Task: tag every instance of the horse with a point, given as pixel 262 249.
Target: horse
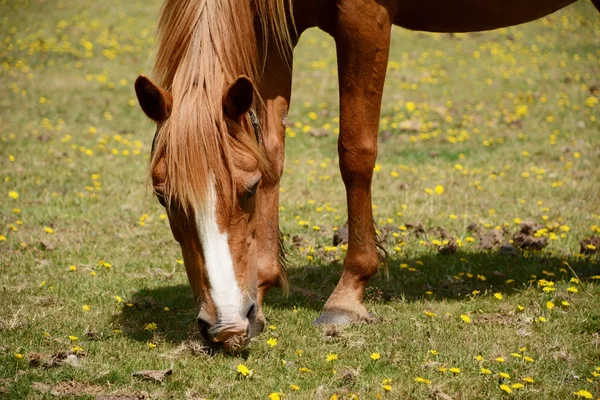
pixel 223 76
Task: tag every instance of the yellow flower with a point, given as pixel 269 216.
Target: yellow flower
pixel 294 387
pixel 528 359
pixel 243 370
pixel 375 356
pixel 485 371
pixel 151 345
pixel 13 195
pixel 49 230
pixel 500 359
pixel 528 379
pixel 304 369
pixel 518 386
pixel 151 326
pixel 498 296
pixel 272 342
pixel 583 394
pixel 72 268
pixel 18 356
pixel 422 380
pixel 331 357
pixel 439 190
pixel 275 396
pixel 454 370
pixel 73 338
pixel 85 308
pixel 549 305
pixel 506 388
pixel 504 375
pixel 572 289
pixel 465 318
pixel 430 314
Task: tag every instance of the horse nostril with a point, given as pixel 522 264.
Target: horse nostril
pixel 251 313
pixel 203 327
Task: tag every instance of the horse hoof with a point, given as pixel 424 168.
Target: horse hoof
pixel 339 317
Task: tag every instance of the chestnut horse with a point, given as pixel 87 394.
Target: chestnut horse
pixel 224 77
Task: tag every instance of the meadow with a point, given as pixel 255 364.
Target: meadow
pixel 486 195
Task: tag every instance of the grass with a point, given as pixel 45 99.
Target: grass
pixel 506 122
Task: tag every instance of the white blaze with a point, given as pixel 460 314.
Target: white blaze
pixel 225 292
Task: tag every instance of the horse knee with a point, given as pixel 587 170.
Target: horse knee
pixel 357 160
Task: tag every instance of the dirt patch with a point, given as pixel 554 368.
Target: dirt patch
pixel 525 239
pixel 153 375
pixel 340 235
pixel 590 245
pixel 491 239
pixel 449 248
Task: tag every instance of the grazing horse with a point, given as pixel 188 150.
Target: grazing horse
pixel 223 84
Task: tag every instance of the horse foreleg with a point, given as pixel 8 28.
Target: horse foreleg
pixel 275 90
pixel 362 36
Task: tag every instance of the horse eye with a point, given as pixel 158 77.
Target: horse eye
pixel 252 190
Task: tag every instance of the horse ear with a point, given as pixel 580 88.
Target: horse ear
pixel 238 97
pixel 155 101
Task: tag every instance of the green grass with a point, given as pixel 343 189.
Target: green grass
pixel 80 146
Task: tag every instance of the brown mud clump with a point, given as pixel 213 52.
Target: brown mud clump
pixel 590 245
pixel 525 239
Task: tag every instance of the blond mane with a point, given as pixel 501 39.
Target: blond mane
pixel 203 46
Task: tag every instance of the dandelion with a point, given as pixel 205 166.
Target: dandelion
pixel 275 396
pixel 13 195
pixel 454 370
pixel 430 314
pixel 506 388
pixel 243 370
pixel 549 305
pixel 18 356
pixel 85 308
pixel 500 359
pixel 331 357
pixel 375 356
pixel 294 387
pixel 72 268
pixel 151 345
pixel 466 318
pixel 151 326
pixel 49 230
pixel 73 338
pixel 528 379
pixel 485 371
pixel 422 380
pixel 528 359
pixel 272 342
pixel 498 296
pixel 517 386
pixel 504 375
pixel 118 299
pixel 304 369
pixel 439 190
pixel 583 394
pixel 572 289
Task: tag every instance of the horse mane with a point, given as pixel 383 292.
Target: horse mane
pixel 203 46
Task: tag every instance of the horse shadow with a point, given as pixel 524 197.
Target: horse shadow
pixel 431 277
